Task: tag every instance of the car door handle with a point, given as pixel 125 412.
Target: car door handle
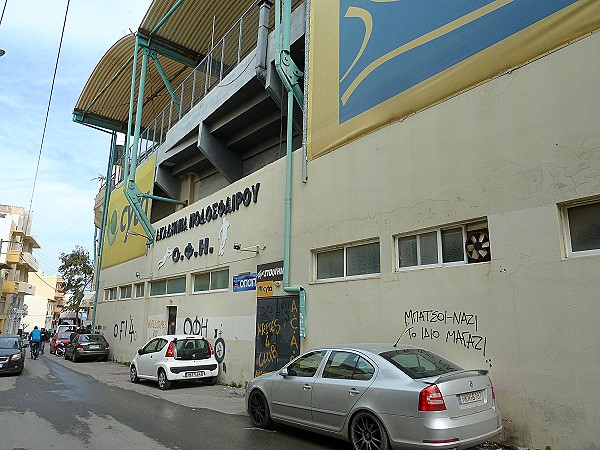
pixel 307 387
pixel 353 391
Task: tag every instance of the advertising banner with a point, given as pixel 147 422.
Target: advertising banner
pixel 373 62
pixel 119 246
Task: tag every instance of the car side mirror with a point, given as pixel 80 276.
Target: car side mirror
pixel 140 351
pixel 283 372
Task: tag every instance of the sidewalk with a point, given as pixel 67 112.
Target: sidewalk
pixel 224 399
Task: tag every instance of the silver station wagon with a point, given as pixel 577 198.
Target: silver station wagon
pixel 379 396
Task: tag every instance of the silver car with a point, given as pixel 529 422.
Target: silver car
pixel 379 396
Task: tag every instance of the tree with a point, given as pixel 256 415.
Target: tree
pixel 77 271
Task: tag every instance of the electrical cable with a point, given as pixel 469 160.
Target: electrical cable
pixel 3 9
pixel 37 168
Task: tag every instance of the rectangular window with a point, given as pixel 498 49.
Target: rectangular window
pixel 582 228
pixel 349 261
pixel 168 286
pixel 468 243
pixel 139 290
pixel 125 292
pixel 211 281
pixel 110 294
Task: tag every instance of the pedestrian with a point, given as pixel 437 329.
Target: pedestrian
pixel 44 337
pixel 88 329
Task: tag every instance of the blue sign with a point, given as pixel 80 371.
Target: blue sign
pixel 246 282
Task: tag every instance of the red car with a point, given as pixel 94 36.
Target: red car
pixel 62 337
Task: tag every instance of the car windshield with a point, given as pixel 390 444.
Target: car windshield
pixel 419 363
pixel 9 342
pixel 91 338
pixel 192 348
pixel 63 336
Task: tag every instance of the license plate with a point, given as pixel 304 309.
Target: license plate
pixel 471 397
pixel 94 347
pixel 199 373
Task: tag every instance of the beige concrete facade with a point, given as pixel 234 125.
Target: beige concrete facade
pixel 511 153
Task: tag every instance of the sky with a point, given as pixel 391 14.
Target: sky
pixel 72 156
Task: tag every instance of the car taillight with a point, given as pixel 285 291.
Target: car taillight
pixel 107 347
pixel 430 399
pixel 212 352
pixel 170 350
pixel 80 347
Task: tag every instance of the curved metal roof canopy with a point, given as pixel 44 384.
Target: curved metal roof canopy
pixel 181 43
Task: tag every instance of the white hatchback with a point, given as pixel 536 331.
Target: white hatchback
pixel 174 358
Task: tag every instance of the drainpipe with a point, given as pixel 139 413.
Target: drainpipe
pixel 107 190
pixel 289 75
pixel 262 41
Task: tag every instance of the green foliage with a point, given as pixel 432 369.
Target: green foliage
pixel 77 271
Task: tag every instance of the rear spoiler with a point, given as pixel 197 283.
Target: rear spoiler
pixel 456 375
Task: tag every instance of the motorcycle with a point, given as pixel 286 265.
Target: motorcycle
pixel 60 349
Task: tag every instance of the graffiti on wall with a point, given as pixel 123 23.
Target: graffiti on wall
pixel 156 326
pixel 277 333
pixel 124 329
pixel 199 326
pixel 453 327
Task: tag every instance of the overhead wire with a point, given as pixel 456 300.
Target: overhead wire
pixel 3 9
pixel 37 168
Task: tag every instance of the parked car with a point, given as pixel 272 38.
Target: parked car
pixel 173 358
pixel 61 337
pixel 377 396
pixel 87 346
pixel 12 354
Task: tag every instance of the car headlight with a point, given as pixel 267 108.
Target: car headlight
pixel 15 357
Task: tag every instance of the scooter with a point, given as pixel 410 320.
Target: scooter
pixel 59 349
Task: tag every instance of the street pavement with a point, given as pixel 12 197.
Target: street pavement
pixel 219 398
pixel 224 399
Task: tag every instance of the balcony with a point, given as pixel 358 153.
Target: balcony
pixel 26 288
pixel 23 259
pixel 17 287
pixel 10 287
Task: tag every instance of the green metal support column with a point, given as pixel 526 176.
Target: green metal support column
pixel 163 75
pixel 289 74
pixel 107 191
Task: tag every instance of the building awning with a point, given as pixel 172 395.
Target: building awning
pixel 88 300
pixel 181 43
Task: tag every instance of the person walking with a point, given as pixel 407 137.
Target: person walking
pixel 44 337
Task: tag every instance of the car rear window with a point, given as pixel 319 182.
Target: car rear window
pixel 192 348
pixel 419 363
pixel 91 338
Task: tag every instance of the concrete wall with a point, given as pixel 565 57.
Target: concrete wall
pixel 508 151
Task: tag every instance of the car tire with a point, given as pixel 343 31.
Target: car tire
pixel 163 381
pixel 210 381
pixel 133 376
pixel 258 409
pixel 367 432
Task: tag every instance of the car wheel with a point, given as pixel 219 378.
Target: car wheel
pixel 367 432
pixel 163 381
pixel 210 381
pixel 133 376
pixel 258 409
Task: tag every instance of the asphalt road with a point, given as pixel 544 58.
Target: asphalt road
pixel 56 404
